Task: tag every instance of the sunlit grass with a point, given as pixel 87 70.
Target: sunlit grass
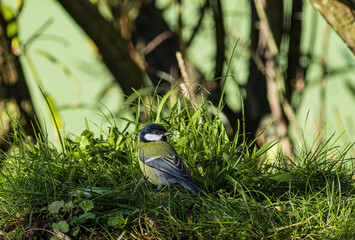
pixel 94 189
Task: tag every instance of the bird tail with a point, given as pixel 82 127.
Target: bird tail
pixel 192 187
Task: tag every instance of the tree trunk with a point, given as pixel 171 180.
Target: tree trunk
pixel 115 50
pixel 295 72
pixel 15 99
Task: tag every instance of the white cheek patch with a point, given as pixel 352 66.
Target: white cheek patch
pixel 153 137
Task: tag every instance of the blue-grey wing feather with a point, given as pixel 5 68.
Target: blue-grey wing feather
pixel 174 168
pixel 171 165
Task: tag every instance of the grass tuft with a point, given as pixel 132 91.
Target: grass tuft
pixel 93 188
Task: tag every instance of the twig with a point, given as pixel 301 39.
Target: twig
pixel 291 117
pixel 156 42
pixel 166 210
pixel 270 37
pixel 219 36
pixel 293 225
pixel 188 88
pixel 274 94
pixel 180 24
pixel 269 71
pixel 290 114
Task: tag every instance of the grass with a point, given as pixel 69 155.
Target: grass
pixel 94 188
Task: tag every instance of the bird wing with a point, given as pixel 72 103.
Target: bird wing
pixel 169 163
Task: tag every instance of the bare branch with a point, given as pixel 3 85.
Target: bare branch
pixel 114 49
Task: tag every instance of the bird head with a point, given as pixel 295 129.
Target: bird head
pixel 153 132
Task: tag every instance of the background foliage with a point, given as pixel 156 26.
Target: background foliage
pixel 299 75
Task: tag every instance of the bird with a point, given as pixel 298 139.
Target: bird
pixel 159 161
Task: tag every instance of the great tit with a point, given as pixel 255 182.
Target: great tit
pixel 158 160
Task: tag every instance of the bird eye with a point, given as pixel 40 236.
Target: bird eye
pixel 155 132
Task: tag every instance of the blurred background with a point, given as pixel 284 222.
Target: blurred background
pixel 83 58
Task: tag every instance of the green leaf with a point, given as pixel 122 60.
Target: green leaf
pixel 86 125
pixel 61 226
pixel 113 136
pixel 53 107
pixel 55 115
pixel 161 104
pixel 83 142
pixel 86 205
pixel 264 148
pixel 55 206
pixel 120 219
pixel 282 177
pixel 230 179
pixel 117 221
pixel 88 134
pixel 83 217
pixel 226 76
pixel 69 205
pixel 7 12
pixel 12 29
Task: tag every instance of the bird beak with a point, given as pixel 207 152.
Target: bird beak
pixel 168 134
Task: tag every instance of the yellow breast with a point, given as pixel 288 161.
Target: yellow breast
pixel 153 175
